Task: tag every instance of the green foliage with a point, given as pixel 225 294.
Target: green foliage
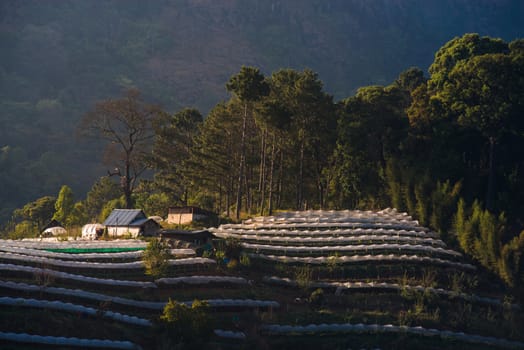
pixel 248 84
pixel 443 204
pixel 316 299
pixel 153 203
pixel 480 234
pixel 303 276
pixel 156 258
pixel 511 263
pixel 422 193
pixel 117 203
pixel 38 212
pixel 78 215
pixel 64 205
pixel 103 191
pixel 175 137
pixel 186 325
pixel 244 260
pixel 24 229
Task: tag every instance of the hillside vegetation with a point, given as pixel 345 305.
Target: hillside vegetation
pixel 313 279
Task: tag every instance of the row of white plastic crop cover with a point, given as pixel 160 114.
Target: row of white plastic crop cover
pixel 192 280
pixel 350 248
pixel 126 243
pixel 388 328
pixel 362 258
pixel 392 214
pixel 100 265
pixel 341 286
pixel 81 256
pixel 322 233
pixel 332 239
pixel 68 341
pixel 398 225
pixel 331 219
pixel 93 343
pixel 151 305
pixel 74 308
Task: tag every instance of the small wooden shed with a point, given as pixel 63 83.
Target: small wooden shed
pixel 186 215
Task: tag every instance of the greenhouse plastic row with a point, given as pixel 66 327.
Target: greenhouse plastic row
pixel 396 225
pixel 80 256
pixel 68 307
pixel 333 215
pixel 240 303
pixel 74 277
pixel 37 244
pixel 350 248
pixel 340 286
pixel 66 341
pixel 152 305
pixel 229 334
pixel 336 232
pixel 362 258
pixel 100 265
pixel 191 261
pixel 331 239
pixel 202 280
pixel 388 328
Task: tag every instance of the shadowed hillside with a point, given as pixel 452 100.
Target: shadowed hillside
pixel 59 57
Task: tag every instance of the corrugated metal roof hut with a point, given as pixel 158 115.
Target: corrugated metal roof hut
pixel 134 222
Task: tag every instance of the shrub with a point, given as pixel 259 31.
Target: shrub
pixel 316 299
pixel 185 324
pixel 156 257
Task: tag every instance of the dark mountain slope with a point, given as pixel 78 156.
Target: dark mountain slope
pixel 59 57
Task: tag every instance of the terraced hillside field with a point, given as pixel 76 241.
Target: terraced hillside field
pixel 314 279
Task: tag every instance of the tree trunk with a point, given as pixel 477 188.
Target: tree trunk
pixel 126 184
pixel 491 176
pixel 262 179
pixel 242 160
pixel 280 175
pixel 300 180
pixel 271 171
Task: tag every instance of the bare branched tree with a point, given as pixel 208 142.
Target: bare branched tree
pixel 126 125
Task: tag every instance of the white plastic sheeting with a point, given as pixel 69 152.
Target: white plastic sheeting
pixel 363 258
pixel 68 341
pixel 68 307
pixel 341 286
pixel 240 303
pixel 100 265
pixel 69 256
pixel 72 264
pixel 229 334
pixel 152 305
pixel 194 280
pixel 37 244
pixel 350 248
pixel 86 256
pixel 191 261
pixel 75 277
pixel 386 215
pixel 388 328
pixel 78 293
pixel 323 233
pixel 312 240
pixel 395 225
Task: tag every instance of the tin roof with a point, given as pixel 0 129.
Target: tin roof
pixel 126 217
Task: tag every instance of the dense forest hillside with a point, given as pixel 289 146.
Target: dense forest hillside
pixel 58 58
